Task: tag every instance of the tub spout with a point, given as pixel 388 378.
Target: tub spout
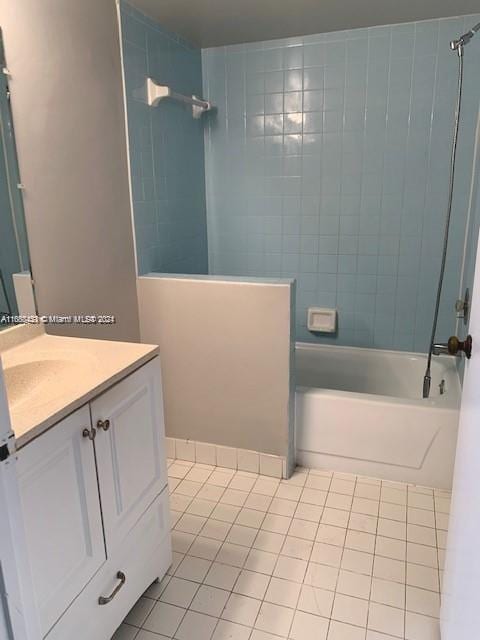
pixel 440 349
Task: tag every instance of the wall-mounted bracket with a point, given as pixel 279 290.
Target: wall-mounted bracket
pixel 158 92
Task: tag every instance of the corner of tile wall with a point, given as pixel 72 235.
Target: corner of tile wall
pixel 227 457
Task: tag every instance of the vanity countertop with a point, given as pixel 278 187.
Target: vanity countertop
pixel 48 377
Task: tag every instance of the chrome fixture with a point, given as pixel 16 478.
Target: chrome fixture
pixel 458 46
pixel 441 387
pixel 440 349
pixel 454 347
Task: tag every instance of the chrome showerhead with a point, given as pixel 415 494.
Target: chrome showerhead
pixel 457 45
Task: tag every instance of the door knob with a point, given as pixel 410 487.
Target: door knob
pixel 456 346
pixel 103 424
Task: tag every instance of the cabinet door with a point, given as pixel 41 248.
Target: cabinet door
pixel 130 452
pixel 61 506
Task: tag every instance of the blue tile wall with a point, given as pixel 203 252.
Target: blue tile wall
pixel 166 149
pixel 328 161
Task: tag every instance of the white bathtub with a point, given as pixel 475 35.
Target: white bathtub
pixel 361 411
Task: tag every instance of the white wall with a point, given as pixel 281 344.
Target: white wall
pixel 225 350
pixel 68 111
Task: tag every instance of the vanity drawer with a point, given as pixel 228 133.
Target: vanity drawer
pixel 144 555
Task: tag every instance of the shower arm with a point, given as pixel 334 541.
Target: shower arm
pixel 457 45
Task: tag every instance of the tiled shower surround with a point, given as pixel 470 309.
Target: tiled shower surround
pixel 326 160
pixel 166 150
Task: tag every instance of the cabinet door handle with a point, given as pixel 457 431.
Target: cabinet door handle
pixel 89 433
pixel 103 424
pixel 105 600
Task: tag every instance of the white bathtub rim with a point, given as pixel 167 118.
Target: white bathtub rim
pixel 416 355
pixel 437 404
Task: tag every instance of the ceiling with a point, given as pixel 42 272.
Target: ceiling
pixel 210 23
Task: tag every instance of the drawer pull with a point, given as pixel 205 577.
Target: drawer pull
pixel 89 433
pixel 105 600
pixel 103 424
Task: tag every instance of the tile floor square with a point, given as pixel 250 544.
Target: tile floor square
pixel 192 568
pixel 225 513
pixel 251 583
pixel 342 631
pixel 261 561
pixel 239 534
pixel 269 541
pixel 274 619
pixel 209 600
pixel 386 619
pixel 222 576
pixel 351 610
pixel 290 568
pixel 164 619
pixel 329 534
pixel 250 518
pixel 308 512
pixel 354 584
pixel 232 554
pixel 307 626
pixel 297 548
pixel 320 575
pixel 316 601
pixel 283 592
pixel 196 625
pixel 206 548
pixel 179 592
pixel 418 627
pixel 282 507
pixel 226 630
pixel 241 609
pixel 387 592
pixel 327 554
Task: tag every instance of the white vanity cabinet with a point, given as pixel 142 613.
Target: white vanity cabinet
pixel 93 491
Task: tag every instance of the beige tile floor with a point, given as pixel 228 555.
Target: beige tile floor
pixel 321 556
